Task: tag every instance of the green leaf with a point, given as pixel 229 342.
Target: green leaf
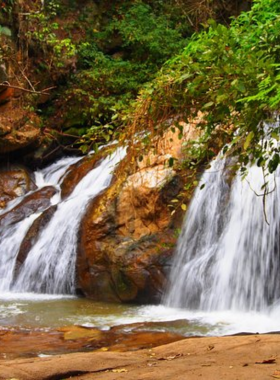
pixel 275 135
pixel 273 163
pixel 84 148
pixel 208 105
pixel 171 161
pixel 248 140
pixel 184 207
pixel 240 86
pixel 6 31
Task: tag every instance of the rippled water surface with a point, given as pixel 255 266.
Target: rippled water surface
pixel 43 311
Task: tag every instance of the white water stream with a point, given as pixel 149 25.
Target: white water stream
pixel 228 257
pixel 50 265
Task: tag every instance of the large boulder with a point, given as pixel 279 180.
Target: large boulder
pixel 125 243
pixel 128 235
pixel 17 136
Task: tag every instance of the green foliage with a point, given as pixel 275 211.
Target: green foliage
pixel 149 38
pixel 232 76
pixel 100 93
pixel 43 34
pixel 5 31
pixel 6 6
pixel 116 62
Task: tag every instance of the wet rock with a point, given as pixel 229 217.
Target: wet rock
pixel 14 182
pixel 20 343
pixel 76 172
pixel 128 235
pixel 32 236
pixel 35 202
pixel 125 251
pixel 179 324
pixel 80 169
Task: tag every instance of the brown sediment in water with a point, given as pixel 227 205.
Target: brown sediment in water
pixel 26 343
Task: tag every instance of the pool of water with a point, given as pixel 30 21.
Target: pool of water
pixel 27 310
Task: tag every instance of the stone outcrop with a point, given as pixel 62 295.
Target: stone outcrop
pixel 128 234
pixel 126 248
pixel 18 129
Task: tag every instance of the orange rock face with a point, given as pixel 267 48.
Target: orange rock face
pixel 19 129
pixel 128 234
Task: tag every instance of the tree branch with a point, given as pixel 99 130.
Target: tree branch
pixel 43 92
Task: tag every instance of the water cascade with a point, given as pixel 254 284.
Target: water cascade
pixel 50 264
pixel 228 254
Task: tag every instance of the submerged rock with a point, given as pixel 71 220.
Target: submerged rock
pixel 20 343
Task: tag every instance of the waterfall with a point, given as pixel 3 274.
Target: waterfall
pixel 228 256
pixel 12 236
pixel 50 264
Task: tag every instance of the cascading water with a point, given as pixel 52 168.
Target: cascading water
pixel 50 264
pixel 12 236
pixel 228 256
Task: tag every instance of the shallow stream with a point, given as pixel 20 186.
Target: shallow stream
pixel 27 310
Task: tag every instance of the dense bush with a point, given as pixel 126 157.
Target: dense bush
pixel 232 75
pixel 116 61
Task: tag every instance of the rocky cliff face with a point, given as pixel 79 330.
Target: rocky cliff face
pixel 128 235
